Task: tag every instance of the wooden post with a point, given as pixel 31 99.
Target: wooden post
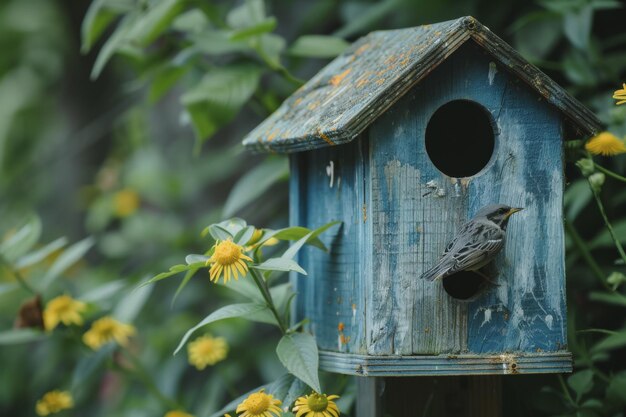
pixel 446 396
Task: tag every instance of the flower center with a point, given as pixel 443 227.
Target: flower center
pixel 258 403
pixel 317 402
pixel 227 253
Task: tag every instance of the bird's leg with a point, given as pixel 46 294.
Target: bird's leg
pixel 487 278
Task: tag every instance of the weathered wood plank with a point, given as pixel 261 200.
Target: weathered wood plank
pixel 332 293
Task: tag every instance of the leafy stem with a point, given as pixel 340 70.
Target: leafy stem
pixel 618 245
pixel 260 282
pixel 566 392
pixel 586 254
pixel 609 172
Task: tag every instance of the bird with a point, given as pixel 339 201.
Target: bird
pixel 476 244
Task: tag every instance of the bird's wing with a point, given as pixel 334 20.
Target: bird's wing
pixel 476 246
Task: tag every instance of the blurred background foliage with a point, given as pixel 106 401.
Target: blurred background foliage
pixel 120 130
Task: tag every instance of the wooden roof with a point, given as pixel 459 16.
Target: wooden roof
pixel 359 85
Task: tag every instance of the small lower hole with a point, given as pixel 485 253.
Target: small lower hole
pixel 464 285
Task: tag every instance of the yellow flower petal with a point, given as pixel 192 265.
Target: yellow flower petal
pixel 53 402
pixel 206 351
pixel 227 261
pixel 63 309
pixel 606 144
pixel 106 330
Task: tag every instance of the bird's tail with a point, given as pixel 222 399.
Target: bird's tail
pixel 440 270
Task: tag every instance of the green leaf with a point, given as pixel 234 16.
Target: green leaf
pixel 298 353
pixel 604 239
pixel 269 47
pixel 226 312
pixel 103 292
pixel 293 249
pixel 250 14
pixel 280 264
pixel 581 382
pixel 17 336
pixel 219 233
pixel 233 225
pixel 218 42
pixel 40 254
pixel 154 21
pixel 176 269
pixel 89 364
pixel 195 258
pixel 577 26
pixel 611 342
pixel 220 95
pixel 612 298
pixel 129 307
pixel 69 257
pixel 368 17
pixel 116 42
pixel 22 240
pixel 255 183
pixel 576 197
pixel 99 16
pixel 318 46
pixel 244 235
pixel 184 282
pixel 616 390
pixel 164 80
pixel 287 389
pixel 265 26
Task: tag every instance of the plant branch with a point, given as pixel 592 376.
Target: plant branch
pixel 565 390
pixel 260 282
pixel 586 254
pixel 618 245
pixel 609 172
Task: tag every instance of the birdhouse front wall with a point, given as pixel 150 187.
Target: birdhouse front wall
pixel 365 296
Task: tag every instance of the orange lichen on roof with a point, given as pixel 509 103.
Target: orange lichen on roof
pixel 361 49
pixel 361 82
pixel 326 138
pixel 380 81
pixel 337 79
pixel 271 136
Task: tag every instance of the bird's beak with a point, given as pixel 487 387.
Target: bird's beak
pixel 513 210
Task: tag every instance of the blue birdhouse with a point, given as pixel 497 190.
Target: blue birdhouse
pixel 403 138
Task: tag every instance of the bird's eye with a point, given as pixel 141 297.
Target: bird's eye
pixel 503 211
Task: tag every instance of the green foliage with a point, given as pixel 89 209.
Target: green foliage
pixel 168 69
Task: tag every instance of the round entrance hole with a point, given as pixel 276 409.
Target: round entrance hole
pixel 464 285
pixel 460 138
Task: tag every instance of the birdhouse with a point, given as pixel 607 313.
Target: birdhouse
pixel 403 138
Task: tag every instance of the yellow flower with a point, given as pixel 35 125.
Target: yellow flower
pixel 105 330
pixel 177 413
pixel 207 350
pixel 620 95
pixel 228 258
pixel 316 405
pixel 606 144
pixel 53 402
pixel 125 202
pixel 259 404
pixel 63 309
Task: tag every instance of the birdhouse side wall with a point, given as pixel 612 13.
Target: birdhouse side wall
pixel 329 184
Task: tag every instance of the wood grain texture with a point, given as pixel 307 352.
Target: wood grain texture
pixel 332 293
pixel 365 297
pixel 352 91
